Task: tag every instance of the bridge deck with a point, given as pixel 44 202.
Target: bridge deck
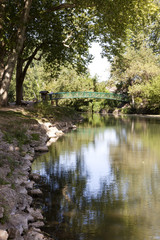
pixel 100 95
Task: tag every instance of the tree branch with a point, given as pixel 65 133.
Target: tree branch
pixel 29 59
pixel 62 6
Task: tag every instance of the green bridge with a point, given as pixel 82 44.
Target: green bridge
pixel 100 95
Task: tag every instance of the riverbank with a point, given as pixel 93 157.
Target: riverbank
pixel 23 134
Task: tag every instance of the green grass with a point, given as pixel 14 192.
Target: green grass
pixel 5 215
pixel 16 133
pixel 35 136
pixel 3 182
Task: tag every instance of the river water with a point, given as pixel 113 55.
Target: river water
pixel 102 181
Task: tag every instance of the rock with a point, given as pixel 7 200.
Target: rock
pixel 26 167
pixel 14 234
pixel 4 171
pixel 41 149
pixel 35 176
pixel 51 134
pixel 1 212
pixel 31 151
pixel 29 184
pixel 6 194
pixel 37 224
pixel 36 214
pixel 19 222
pixel 3 235
pixel 36 192
pixel 33 234
pixel 52 140
pixel 28 158
pixel 23 201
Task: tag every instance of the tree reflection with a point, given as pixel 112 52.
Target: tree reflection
pixel 126 205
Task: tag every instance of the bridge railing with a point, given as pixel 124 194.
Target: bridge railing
pixel 100 95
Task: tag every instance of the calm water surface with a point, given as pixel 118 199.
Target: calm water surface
pixel 102 181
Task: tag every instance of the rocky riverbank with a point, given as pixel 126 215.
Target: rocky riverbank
pixel 21 137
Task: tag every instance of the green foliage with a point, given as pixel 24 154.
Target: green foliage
pixel 18 134
pixel 5 214
pixel 137 74
pixel 147 95
pixel 3 182
pixel 35 136
pixel 71 81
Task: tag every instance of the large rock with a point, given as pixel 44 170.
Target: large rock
pixel 36 214
pixel 3 235
pixel 52 140
pixel 19 222
pixel 53 132
pixel 4 171
pixel 29 184
pixel 28 158
pixel 8 197
pixel 41 149
pixel 36 192
pixel 37 224
pixel 34 234
pixel 24 201
pixel 35 176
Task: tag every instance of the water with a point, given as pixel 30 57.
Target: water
pixel 102 181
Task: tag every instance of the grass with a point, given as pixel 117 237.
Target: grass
pixel 56 113
pixel 16 133
pixel 3 182
pixel 5 215
pixel 12 163
pixel 35 136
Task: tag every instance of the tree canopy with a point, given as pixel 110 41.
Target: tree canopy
pixel 63 29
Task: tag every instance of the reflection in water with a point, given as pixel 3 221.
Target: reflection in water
pixel 101 182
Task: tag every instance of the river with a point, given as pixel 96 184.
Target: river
pixel 102 181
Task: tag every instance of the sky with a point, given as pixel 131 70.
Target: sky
pixel 99 66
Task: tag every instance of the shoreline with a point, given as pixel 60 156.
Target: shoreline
pixel 18 219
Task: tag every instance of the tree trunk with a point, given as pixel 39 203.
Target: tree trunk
pixel 6 75
pixel 7 70
pixel 19 92
pixel 21 73
pixel 19 81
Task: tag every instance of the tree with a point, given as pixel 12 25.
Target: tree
pixel 12 39
pixel 111 20
pixel 136 73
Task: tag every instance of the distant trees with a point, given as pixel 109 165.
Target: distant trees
pixel 136 71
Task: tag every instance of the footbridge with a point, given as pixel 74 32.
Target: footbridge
pixel 98 95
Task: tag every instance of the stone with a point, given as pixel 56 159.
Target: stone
pixel 51 134
pixel 35 176
pixel 14 234
pixel 41 149
pixel 29 184
pixel 52 140
pixel 37 224
pixel 36 192
pixel 47 124
pixel 28 158
pixel 6 193
pixel 26 167
pixel 4 171
pixel 1 212
pixel 19 222
pixel 36 214
pixel 23 201
pixel 3 235
pixel 34 235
